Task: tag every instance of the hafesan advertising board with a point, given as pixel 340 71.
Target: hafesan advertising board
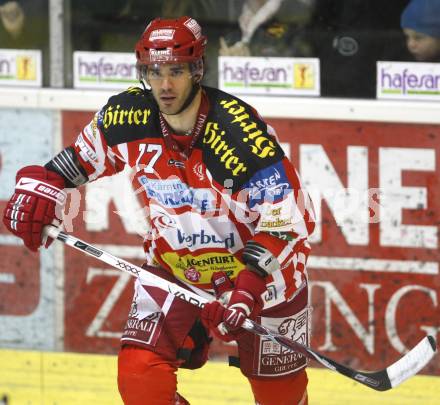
pixel 408 80
pixel 269 76
pixel 104 70
pixel 20 67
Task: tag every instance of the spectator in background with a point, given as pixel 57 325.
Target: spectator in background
pixel 24 24
pixel 420 22
pixel 253 14
pixel 271 28
pixel 349 37
pixel 12 17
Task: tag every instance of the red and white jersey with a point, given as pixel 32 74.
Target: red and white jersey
pixel 207 195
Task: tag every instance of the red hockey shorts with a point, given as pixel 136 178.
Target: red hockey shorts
pixel 290 390
pixel 162 335
pixel 144 378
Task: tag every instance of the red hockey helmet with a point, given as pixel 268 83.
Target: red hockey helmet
pixel 171 41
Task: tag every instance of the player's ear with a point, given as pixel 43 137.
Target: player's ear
pixel 197 70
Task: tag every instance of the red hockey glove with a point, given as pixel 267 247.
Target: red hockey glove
pixel 32 206
pixel 245 302
pixel 212 312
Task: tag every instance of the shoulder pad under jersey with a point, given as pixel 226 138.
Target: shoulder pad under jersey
pixel 237 142
pixel 129 116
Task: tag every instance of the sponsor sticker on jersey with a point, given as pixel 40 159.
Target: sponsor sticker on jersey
pixel 203 238
pixel 259 142
pixel 204 264
pixel 277 217
pixel 114 115
pixel 227 155
pixel 275 359
pixel 174 194
pixel 198 171
pixel 268 185
pixel 193 231
pixel 85 151
pixel 192 274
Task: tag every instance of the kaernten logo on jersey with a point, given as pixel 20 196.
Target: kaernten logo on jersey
pixel 175 194
pixel 269 184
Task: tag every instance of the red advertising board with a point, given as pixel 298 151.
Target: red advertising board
pixel 374 270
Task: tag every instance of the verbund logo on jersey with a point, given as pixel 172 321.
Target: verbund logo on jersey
pixel 203 238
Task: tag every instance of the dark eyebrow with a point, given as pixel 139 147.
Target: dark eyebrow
pixel 178 67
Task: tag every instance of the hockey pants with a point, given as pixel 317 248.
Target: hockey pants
pixel 144 378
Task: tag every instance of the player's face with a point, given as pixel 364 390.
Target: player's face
pixel 423 47
pixel 171 84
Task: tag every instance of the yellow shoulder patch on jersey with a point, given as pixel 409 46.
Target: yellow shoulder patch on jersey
pixel 134 90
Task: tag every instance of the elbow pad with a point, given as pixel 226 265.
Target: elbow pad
pixel 67 165
pixel 259 259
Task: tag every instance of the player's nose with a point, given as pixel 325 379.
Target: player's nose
pixel 166 83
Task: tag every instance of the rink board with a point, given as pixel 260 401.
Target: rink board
pixel 364 277
pixel 37 378
pixel 367 282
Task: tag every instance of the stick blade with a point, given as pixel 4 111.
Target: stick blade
pixel 412 362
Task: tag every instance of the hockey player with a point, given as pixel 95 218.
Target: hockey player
pixel 226 210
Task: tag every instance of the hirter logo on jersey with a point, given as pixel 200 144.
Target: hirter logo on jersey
pixel 215 138
pixel 116 115
pixel 260 144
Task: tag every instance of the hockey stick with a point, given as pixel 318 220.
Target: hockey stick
pixel 407 366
